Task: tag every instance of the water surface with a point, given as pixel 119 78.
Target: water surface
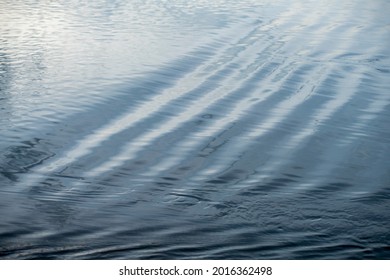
pixel 194 129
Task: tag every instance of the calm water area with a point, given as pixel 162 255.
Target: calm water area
pixel 192 129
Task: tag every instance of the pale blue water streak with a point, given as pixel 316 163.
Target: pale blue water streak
pixel 194 129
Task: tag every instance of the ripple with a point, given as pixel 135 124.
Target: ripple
pixel 194 130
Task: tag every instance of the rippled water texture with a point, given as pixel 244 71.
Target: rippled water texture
pixel 194 129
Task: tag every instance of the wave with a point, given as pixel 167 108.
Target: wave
pixel 269 140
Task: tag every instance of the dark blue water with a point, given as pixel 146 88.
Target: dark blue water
pixel 194 129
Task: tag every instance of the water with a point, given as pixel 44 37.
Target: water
pixel 194 129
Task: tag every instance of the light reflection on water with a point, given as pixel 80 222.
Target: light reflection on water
pixel 194 129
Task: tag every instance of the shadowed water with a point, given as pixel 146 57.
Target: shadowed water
pixel 194 129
